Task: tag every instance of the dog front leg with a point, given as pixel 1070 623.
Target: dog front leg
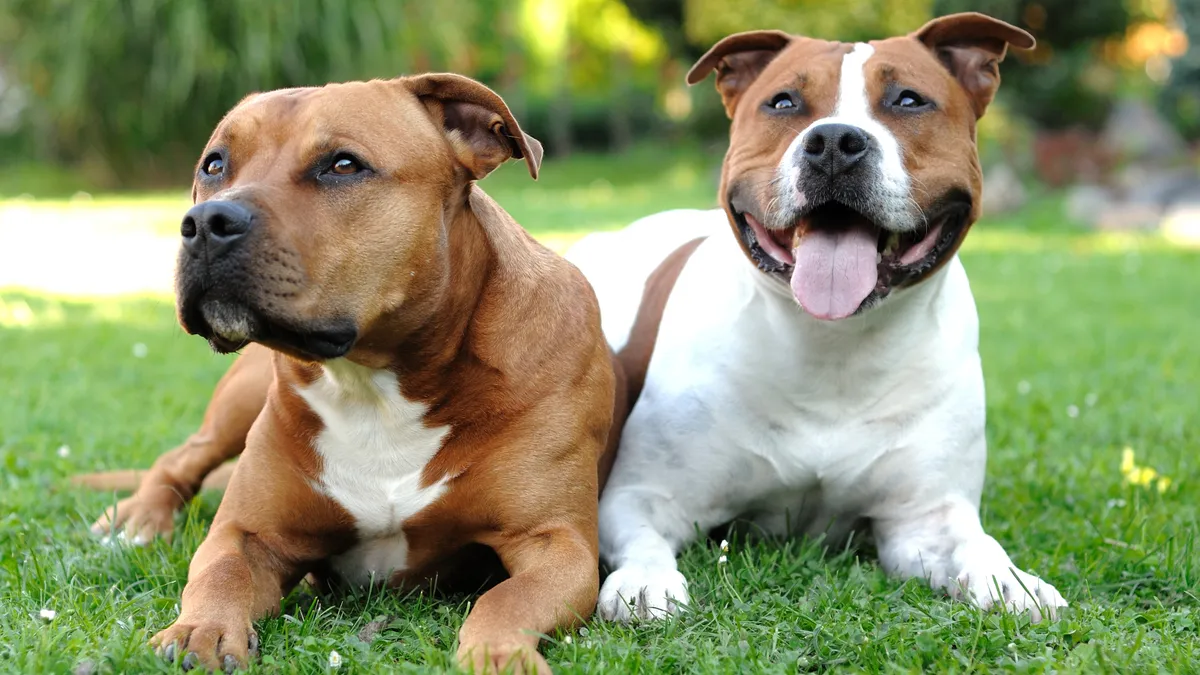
pixel 177 475
pixel 553 581
pixel 235 579
pixel 640 533
pixel 948 548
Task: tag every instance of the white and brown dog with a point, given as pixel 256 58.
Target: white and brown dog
pixel 807 357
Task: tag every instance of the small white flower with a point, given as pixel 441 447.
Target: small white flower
pixel 48 614
pixel 1023 387
pixel 722 560
pixel 64 451
pixel 1090 399
pixel 140 350
pixel 725 545
pixel 583 631
pixel 1072 411
pixel 335 659
pixel 567 639
pixel 1116 503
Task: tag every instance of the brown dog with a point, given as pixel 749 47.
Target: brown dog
pixel 430 378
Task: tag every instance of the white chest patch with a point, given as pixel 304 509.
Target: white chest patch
pixel 374 448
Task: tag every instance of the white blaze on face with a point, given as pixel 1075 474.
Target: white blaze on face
pixel 836 269
pixel 854 108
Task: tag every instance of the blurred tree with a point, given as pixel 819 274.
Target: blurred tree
pixel 1064 82
pixel 131 88
pixel 1180 99
pixel 707 21
pixel 117 80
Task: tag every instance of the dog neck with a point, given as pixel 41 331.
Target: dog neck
pixel 429 331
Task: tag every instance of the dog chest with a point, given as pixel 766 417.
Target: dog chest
pixel 374 447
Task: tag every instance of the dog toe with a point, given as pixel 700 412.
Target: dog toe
pixel 1012 589
pixel 643 594
pixel 209 645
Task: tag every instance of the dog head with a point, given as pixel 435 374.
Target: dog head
pixel 852 169
pixel 320 210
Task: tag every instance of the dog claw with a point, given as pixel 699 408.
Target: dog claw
pixel 189 661
pixel 168 653
pixel 253 646
pixel 230 663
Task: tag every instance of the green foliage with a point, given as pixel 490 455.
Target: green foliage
pixel 131 79
pixel 1180 99
pixel 848 20
pixel 130 89
pixel 1063 83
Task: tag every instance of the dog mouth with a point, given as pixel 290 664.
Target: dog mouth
pixel 229 326
pixel 839 262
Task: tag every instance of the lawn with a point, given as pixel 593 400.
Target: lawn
pixel 1089 347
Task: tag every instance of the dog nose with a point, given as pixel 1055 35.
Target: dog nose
pixel 834 148
pixel 216 225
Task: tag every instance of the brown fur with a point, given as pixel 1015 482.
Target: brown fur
pixel 496 334
pixel 634 357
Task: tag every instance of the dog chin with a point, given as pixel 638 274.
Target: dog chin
pixel 230 326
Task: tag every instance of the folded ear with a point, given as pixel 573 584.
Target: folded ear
pixel 480 127
pixel 738 60
pixel 971 46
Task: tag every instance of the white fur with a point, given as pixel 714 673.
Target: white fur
pixel 751 408
pixel 854 108
pixel 618 273
pixel 374 448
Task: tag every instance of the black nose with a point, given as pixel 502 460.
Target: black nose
pixel 834 148
pixel 215 225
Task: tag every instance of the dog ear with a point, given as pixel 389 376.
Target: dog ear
pixel 738 60
pixel 481 129
pixel 971 46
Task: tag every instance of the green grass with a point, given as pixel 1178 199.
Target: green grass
pixel 1107 324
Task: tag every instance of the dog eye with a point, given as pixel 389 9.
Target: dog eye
pixel 214 166
pixel 345 165
pixel 782 101
pixel 909 99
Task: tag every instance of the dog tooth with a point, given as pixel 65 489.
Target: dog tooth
pixel 893 243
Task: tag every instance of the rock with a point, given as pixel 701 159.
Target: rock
pixel 1002 190
pixel 1129 216
pixel 370 631
pixel 1142 198
pixel 1135 131
pixel 1086 204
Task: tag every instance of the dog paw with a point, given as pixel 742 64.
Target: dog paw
pixel 136 520
pixel 988 587
pixel 209 645
pixel 491 659
pixel 642 593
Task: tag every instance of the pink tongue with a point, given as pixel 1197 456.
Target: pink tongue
pixel 835 269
